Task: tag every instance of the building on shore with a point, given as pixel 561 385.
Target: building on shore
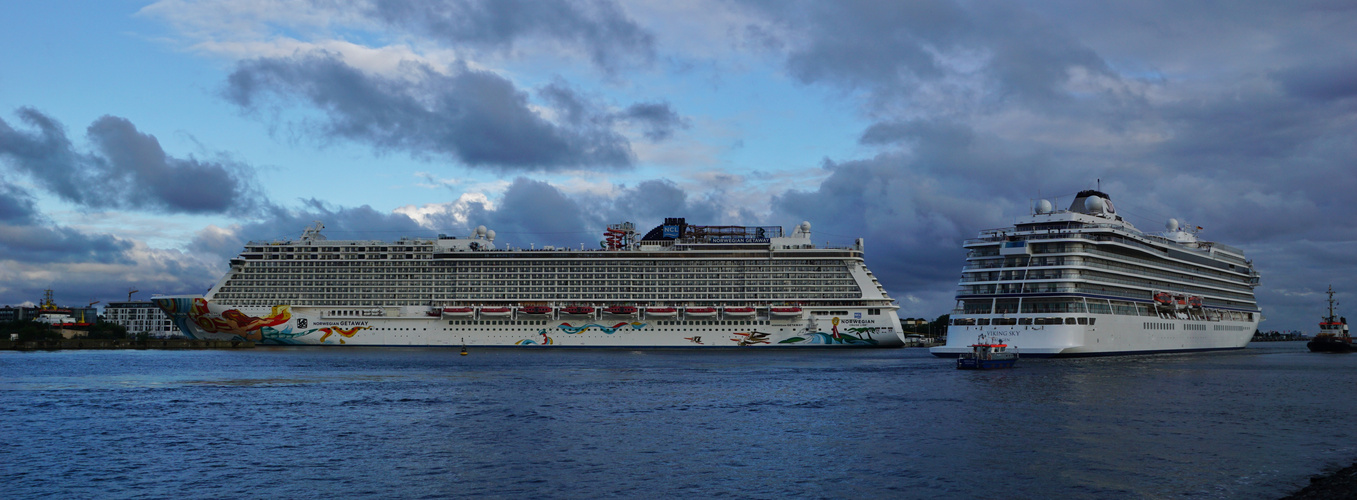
pixel 141 317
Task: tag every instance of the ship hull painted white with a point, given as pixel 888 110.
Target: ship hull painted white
pixel 1109 335
pixel 302 325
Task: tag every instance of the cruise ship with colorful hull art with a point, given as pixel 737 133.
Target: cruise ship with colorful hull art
pixel 1085 282
pixel 678 285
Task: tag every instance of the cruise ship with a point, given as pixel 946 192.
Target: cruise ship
pixel 1085 282
pixel 678 285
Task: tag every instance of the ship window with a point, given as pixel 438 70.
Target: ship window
pixel 982 321
pixel 1083 321
pixel 1069 321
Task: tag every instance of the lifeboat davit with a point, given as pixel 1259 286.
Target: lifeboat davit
pixel 785 311
pixel 535 309
pixel 620 310
pixel 1180 302
pixel 661 311
pixel 738 312
pixel 495 312
pixel 459 312
pixel 699 312
pixel 578 310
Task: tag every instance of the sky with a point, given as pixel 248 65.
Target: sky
pixel 143 143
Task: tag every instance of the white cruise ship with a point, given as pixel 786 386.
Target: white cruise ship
pixel 1085 282
pixel 679 285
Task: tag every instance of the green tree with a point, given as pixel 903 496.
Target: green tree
pixel 29 330
pixel 106 330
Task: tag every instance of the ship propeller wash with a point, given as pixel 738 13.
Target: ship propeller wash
pixel 1085 282
pixel 678 285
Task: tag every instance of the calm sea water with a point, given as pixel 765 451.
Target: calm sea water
pixel 393 422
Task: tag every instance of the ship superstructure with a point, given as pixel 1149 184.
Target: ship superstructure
pixel 1084 281
pixel 676 285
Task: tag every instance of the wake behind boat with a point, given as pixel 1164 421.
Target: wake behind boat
pixel 678 285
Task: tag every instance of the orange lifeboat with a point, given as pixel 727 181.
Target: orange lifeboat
pixel 535 309
pixel 661 311
pixel 739 312
pixel 578 310
pixel 495 312
pixel 699 312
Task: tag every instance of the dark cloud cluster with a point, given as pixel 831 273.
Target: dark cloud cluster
pixel 890 49
pixel 126 170
pixel 474 117
pixel 599 28
pixel 25 236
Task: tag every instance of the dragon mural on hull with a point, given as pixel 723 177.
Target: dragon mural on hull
pixel 193 315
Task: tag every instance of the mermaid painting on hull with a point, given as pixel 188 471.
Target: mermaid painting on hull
pixel 811 334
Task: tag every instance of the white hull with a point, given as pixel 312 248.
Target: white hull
pixel 300 325
pixel 1110 334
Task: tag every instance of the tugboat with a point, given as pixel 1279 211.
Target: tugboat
pixel 987 356
pixel 1333 332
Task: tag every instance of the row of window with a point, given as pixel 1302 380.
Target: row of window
pixel 1023 321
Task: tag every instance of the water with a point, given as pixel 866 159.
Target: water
pixel 391 422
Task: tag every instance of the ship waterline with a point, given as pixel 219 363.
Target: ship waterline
pixel 680 285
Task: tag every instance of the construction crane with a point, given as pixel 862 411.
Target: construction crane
pixel 130 291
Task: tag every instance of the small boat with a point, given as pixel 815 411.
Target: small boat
pixel 435 312
pixel 987 356
pixel 699 312
pixel 1194 302
pixel 738 312
pixel 495 312
pixel 535 309
pixel 1180 302
pixel 1333 333
pixel 460 312
pixel 785 311
pixel 661 311
pixel 620 310
pixel 578 310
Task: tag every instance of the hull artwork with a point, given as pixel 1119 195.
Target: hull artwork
pixel 289 325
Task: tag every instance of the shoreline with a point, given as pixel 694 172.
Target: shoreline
pixel 1341 483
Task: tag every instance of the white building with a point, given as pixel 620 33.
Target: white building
pixel 141 317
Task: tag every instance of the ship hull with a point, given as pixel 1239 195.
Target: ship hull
pixel 1109 335
pixel 286 324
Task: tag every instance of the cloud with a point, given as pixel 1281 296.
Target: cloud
pixel 929 53
pixel 1327 82
pixel 600 29
pixel 127 169
pixel 474 117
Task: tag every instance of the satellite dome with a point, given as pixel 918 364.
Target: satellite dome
pixel 805 226
pixel 480 230
pixel 1171 225
pixel 490 235
pixel 1094 204
pixel 1043 207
